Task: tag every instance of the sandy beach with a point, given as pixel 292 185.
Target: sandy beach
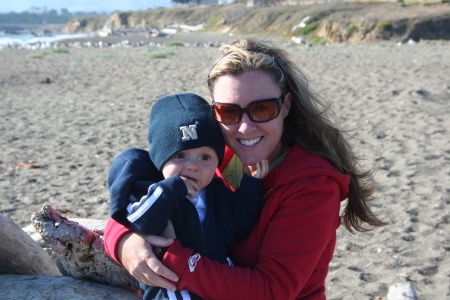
pixel 64 117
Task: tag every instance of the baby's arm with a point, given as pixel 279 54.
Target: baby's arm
pixel 247 198
pixel 149 215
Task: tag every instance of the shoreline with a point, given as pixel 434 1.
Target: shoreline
pixel 195 39
pixel 130 39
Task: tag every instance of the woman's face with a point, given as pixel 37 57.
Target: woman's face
pixel 252 141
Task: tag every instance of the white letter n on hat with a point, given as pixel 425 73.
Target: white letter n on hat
pixel 189 133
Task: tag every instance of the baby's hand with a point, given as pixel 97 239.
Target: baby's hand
pixel 191 186
pixel 260 170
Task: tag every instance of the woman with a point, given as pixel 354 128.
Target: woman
pixel 267 111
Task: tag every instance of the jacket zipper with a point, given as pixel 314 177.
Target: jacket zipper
pixel 199 225
pixel 266 194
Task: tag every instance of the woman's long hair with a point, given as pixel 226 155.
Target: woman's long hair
pixel 308 123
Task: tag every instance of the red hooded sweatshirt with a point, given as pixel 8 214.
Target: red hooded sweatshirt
pixel 288 252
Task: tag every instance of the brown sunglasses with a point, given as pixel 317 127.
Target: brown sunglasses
pixel 258 111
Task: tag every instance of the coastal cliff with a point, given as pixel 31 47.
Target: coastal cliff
pixel 346 22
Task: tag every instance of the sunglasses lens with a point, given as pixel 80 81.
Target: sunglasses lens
pixel 264 110
pixel 260 111
pixel 227 114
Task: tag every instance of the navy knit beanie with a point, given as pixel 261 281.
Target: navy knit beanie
pixel 180 122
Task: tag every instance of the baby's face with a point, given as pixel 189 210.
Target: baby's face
pixel 198 164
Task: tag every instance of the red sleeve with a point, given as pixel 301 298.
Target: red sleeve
pixel 113 233
pixel 298 241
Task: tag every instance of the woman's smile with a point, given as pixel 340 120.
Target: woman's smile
pixel 249 143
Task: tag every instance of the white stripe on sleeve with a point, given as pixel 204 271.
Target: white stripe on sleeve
pixel 185 295
pixel 145 206
pixel 171 295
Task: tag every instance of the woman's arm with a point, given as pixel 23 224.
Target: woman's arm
pixel 135 254
pixel 292 253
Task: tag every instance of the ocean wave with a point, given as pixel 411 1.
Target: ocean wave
pixel 24 39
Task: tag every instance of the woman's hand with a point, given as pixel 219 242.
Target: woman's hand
pixel 169 232
pixel 135 253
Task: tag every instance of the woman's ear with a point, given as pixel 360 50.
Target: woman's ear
pixel 286 104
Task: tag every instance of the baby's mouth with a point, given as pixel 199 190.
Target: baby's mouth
pixel 190 178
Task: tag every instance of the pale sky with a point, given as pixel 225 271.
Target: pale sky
pixel 82 5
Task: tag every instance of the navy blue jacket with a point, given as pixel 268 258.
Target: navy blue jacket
pixel 229 215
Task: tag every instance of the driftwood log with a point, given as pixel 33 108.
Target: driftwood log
pixel 20 254
pixel 78 251
pixel 40 287
pixel 96 225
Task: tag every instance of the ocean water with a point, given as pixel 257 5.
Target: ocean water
pixel 27 38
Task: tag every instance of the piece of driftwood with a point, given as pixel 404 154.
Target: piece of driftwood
pixel 80 252
pixel 96 225
pixel 20 254
pixel 40 287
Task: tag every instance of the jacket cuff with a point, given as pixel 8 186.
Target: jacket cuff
pixel 177 257
pixel 114 232
pixel 175 186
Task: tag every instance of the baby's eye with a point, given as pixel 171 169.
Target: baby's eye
pixel 205 157
pixel 179 155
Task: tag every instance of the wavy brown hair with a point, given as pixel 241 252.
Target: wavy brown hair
pixel 309 123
